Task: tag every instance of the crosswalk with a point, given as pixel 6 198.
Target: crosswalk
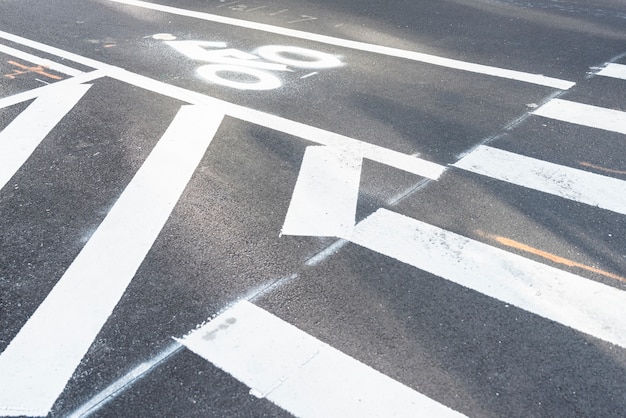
pixel 289 367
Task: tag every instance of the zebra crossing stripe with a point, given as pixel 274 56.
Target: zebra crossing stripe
pixel 39 361
pixel 24 134
pixel 566 182
pixel 584 114
pixel 300 373
pixel 614 70
pixel 584 305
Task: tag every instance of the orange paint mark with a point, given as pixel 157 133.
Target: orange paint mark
pixel 549 256
pixel 25 70
pixel 597 167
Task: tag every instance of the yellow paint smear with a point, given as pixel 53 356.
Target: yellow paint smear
pixel 549 256
pixel 597 167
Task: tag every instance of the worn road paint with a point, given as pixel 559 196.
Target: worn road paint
pixel 584 305
pixel 613 70
pixel 25 69
pixel 24 134
pixel 584 114
pixel 300 373
pixel 230 61
pixel 361 46
pixel 552 257
pixel 63 69
pixel 41 358
pixel 600 168
pixel 566 182
pixel 325 196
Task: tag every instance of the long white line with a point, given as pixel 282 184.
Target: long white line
pixel 614 70
pixel 325 197
pixel 584 114
pixel 40 360
pixel 386 156
pixel 585 305
pixel 24 134
pixel 361 46
pixel 570 183
pixel 64 69
pixel 300 373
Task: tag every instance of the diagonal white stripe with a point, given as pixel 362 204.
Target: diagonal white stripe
pixel 22 136
pixel 64 69
pixel 585 305
pixel 614 70
pixel 40 360
pixel 584 114
pixel 300 373
pixel 569 183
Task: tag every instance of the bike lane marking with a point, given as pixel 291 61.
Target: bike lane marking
pixel 538 79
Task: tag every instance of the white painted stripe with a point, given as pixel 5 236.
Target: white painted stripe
pixel 614 70
pixel 63 69
pixel 570 183
pixel 24 134
pixel 584 114
pixel 585 305
pixel 39 361
pixel 325 196
pixel 361 46
pixel 300 373
pixel 386 156
pixel 34 93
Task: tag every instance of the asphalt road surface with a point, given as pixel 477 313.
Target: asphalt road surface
pixel 315 209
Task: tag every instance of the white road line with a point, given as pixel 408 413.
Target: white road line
pixel 584 305
pixel 584 114
pixel 373 152
pixel 361 46
pixel 34 93
pixel 325 197
pixel 40 360
pixel 300 373
pixel 63 69
pixel 566 182
pixel 24 134
pixel 613 70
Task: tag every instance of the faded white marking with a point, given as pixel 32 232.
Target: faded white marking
pixel 613 70
pixel 258 79
pixel 584 114
pixel 24 134
pixel 197 51
pixel 584 305
pixel 114 389
pixel 566 182
pixel 40 360
pixel 312 59
pixel 362 46
pixel 325 196
pixel 300 373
